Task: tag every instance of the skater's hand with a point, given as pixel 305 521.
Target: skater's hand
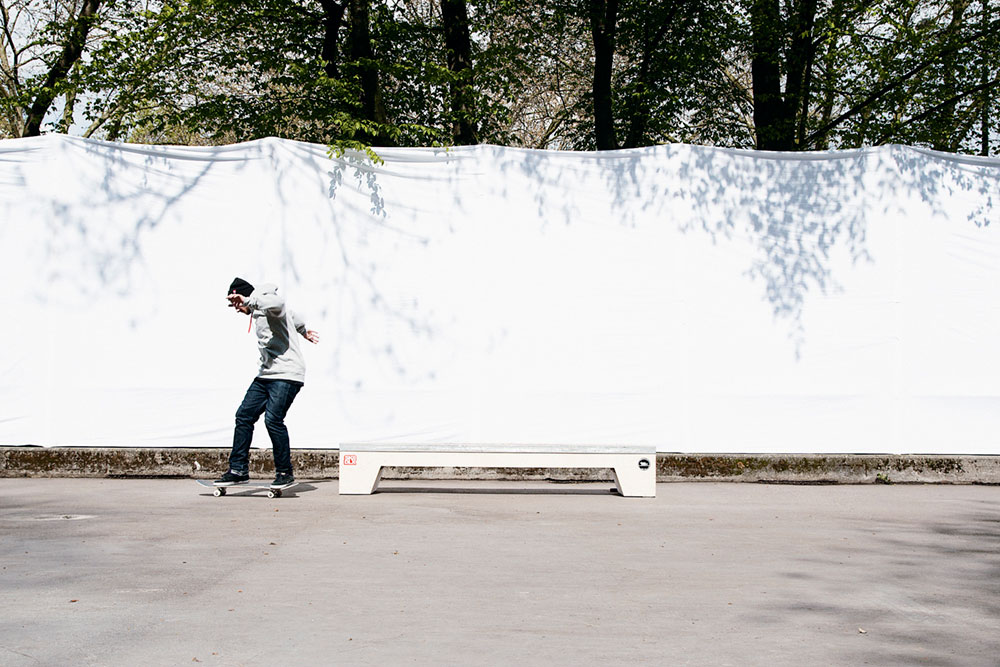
pixel 312 336
pixel 238 302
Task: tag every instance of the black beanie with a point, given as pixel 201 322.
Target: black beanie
pixel 240 286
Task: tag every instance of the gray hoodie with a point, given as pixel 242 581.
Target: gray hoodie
pixel 280 355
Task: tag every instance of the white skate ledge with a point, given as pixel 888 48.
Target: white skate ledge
pixel 361 464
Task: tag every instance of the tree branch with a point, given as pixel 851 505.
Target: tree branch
pixel 892 85
pixel 70 55
pixel 934 109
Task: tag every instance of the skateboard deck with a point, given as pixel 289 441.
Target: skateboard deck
pixel 272 491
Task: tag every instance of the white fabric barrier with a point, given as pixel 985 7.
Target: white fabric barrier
pixel 691 298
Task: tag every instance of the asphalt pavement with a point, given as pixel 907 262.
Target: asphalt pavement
pixel 160 572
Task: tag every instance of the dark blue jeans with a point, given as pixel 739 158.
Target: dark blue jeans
pixel 272 398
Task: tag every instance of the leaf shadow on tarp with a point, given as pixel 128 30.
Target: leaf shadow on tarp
pixel 933 176
pixel 796 209
pixel 793 212
pixel 527 174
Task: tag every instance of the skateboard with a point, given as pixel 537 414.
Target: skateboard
pixel 272 491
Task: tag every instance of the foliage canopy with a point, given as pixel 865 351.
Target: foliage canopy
pixel 568 74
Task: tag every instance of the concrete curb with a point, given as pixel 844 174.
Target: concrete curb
pixel 323 463
pixel 830 468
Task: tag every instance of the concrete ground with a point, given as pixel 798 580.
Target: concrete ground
pixel 129 572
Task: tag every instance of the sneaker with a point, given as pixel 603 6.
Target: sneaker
pixel 283 479
pixel 230 478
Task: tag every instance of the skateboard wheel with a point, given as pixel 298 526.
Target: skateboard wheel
pixel 273 494
pixel 219 492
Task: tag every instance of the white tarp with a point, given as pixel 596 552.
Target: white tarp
pixel 696 299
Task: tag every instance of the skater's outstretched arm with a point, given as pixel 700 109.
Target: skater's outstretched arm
pixel 267 300
pixel 273 303
pixel 300 326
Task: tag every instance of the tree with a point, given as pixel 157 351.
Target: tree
pixel 571 74
pixel 41 45
pixel 775 112
pixel 886 71
pixel 671 57
pixel 603 21
pixel 333 19
pixel 458 49
pixel 238 70
pixel 622 74
pixel 987 100
pixel 365 69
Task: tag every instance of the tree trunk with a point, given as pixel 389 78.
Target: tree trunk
pixel 775 130
pixel 945 136
pixel 984 128
pixel 458 49
pixel 67 119
pixel 72 50
pixel 831 77
pixel 799 68
pixel 10 82
pixel 603 17
pixel 333 18
pixel 364 58
pixel 637 106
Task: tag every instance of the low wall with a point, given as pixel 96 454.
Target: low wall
pixel 315 463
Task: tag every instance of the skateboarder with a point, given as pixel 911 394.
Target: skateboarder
pixel 281 375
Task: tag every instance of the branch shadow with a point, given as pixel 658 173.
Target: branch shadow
pixel 795 209
pixel 88 250
pixel 355 273
pixel 916 591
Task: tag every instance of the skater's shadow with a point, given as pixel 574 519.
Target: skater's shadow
pixel 261 491
pixel 297 489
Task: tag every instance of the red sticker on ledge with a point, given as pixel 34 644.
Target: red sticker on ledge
pixel 350 459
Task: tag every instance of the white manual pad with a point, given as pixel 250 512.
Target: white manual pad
pixel 361 464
